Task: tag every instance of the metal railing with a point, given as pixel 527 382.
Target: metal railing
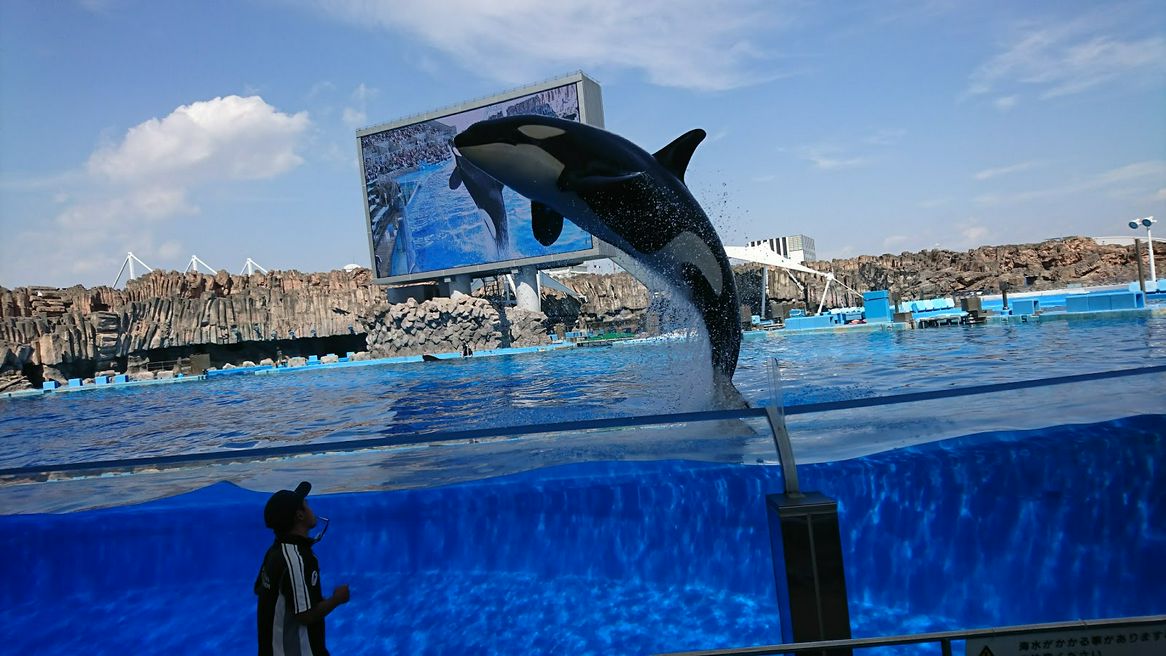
pixel 775 415
pixel 944 638
pixel 82 469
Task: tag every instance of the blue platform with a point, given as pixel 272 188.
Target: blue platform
pixel 1105 301
pixel 877 306
pixel 1025 306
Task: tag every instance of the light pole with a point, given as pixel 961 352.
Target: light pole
pixel 1147 222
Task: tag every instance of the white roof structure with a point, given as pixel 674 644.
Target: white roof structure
pixel 767 256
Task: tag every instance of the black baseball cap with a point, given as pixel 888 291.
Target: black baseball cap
pixel 280 512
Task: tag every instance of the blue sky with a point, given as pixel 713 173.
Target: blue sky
pixel 226 128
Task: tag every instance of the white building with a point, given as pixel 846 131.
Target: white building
pixel 798 248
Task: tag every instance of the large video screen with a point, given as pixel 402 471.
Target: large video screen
pixel 430 210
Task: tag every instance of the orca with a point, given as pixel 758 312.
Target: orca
pixel 487 195
pixel 630 199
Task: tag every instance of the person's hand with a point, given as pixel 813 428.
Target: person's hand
pixel 340 594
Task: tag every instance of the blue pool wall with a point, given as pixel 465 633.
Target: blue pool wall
pixel 1004 528
pixel 1008 528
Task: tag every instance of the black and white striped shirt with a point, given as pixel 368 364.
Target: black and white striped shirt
pixel 289 584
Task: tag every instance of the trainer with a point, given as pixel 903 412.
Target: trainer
pixel 291 607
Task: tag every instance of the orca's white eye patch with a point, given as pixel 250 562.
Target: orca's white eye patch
pixel 540 131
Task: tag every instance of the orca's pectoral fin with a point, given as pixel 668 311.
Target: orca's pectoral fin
pixel 597 182
pixel 546 223
pixel 676 155
pixel 455 179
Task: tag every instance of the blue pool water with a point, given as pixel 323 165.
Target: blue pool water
pixel 342 404
pixel 1043 505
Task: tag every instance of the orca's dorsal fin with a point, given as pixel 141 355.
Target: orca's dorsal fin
pixel 676 155
pixel 546 223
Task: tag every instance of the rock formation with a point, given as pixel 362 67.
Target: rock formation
pixel 74 332
pixel 443 325
pixel 78 332
pixel 1050 264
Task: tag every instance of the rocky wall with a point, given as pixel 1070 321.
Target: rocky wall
pixel 1049 264
pixel 74 332
pixel 444 325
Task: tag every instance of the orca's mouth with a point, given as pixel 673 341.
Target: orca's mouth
pixel 475 135
pixel 464 139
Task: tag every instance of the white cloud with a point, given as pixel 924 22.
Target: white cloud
pixel 132 186
pixel 1155 170
pixel 230 138
pixel 170 249
pixel 835 155
pixel 133 207
pixel 974 235
pixel 1005 103
pixel 1067 58
pixel 988 174
pixel 321 88
pixel 692 44
pixel 895 241
pixel 885 137
pixel 1161 194
pixel 831 160
pixel 32 183
pixel 1150 168
pixel 356 116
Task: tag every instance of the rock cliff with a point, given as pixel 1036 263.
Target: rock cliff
pixel 444 325
pixel 926 274
pixel 74 332
pixel 77 332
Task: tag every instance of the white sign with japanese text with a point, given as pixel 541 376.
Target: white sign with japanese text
pixel 1145 640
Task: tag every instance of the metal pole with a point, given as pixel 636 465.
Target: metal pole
pixel 785 451
pixel 825 289
pixel 764 290
pixel 1138 257
pixel 1150 247
pixel 121 271
pixel 145 266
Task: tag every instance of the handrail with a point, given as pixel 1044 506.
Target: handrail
pixel 376 442
pixel 781 437
pixel 943 637
pixel 910 397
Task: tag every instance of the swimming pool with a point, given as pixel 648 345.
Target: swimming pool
pixel 594 552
